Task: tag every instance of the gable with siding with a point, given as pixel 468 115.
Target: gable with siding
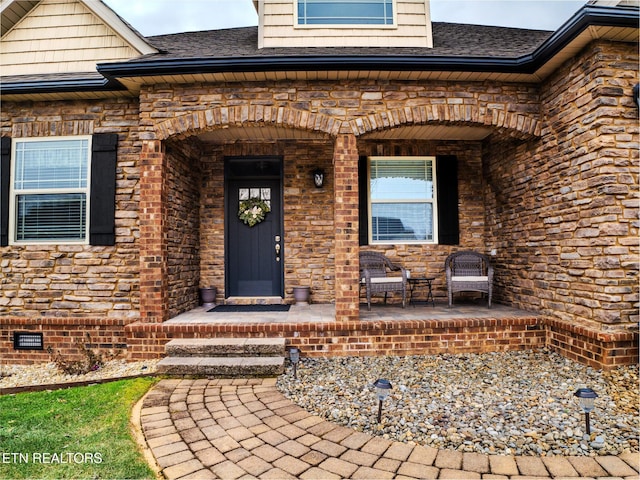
pixel 62 36
pixel 278 28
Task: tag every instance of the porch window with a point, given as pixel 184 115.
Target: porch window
pixel 345 12
pixel 402 196
pixel 50 190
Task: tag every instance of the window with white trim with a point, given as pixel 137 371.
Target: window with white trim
pixel 345 12
pixel 402 200
pixel 49 197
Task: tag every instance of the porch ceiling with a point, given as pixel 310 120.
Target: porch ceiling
pixel 412 132
pixel 265 133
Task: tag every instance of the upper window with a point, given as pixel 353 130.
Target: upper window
pixel 345 12
pixel 50 190
pixel 402 200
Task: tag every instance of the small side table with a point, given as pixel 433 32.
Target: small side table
pixel 416 283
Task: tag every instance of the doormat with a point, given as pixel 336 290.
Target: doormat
pixel 249 308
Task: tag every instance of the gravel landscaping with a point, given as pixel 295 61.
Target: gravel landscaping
pixel 518 403
pixel 12 376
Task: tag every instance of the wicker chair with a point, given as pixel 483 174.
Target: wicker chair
pixel 468 272
pixel 376 276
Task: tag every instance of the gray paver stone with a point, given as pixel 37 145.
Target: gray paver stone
pixel 356 440
pixel 359 458
pixel 210 456
pixel 377 446
pixel 531 466
pixel 616 467
pixel 291 465
pixel 158 432
pixel 475 462
pixel 316 473
pixel 204 474
pixel 308 440
pixel 340 467
pixel 225 444
pixel 632 459
pixel 337 434
pixel 249 420
pixel 291 431
pixel 182 469
pixel 399 451
pixel 153 410
pixel 587 467
pixel 272 437
pixel 329 448
pixel 458 474
pixel 169 449
pixel 267 453
pixel 227 470
pixel 418 470
pixel 192 435
pixel 200 445
pixel 423 455
pixel 237 455
pixel 293 448
pixel 322 428
pixel 156 442
pixel 313 457
pixel 387 464
pixel 559 467
pixel 503 465
pixel 451 459
pixel 240 433
pixel 254 465
pixel 368 473
pixel 175 459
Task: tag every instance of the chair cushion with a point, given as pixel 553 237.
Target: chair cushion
pixel 470 279
pixel 383 280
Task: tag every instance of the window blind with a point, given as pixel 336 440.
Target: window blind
pixel 51 217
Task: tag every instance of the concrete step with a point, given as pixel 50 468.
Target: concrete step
pixel 225 367
pixel 225 347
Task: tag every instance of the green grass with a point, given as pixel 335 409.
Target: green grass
pixel 78 432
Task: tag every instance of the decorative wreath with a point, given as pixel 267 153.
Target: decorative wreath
pixel 253 211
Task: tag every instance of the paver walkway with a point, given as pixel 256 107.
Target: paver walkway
pixel 228 429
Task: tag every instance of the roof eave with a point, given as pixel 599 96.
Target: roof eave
pixel 60 86
pixel 528 64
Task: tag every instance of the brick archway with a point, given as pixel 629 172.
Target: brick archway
pixel 514 124
pixel 220 117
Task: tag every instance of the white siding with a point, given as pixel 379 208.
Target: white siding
pixel 277 28
pixel 60 36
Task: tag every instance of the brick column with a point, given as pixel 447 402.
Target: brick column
pixel 154 300
pixel 347 268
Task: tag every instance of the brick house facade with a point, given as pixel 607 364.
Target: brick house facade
pixel 545 152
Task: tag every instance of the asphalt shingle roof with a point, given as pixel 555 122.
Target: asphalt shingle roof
pixel 449 39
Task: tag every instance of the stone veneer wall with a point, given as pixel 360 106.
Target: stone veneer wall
pixel 74 293
pixel 564 210
pixel 77 280
pixel 183 225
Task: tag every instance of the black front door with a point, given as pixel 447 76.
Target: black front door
pixel 254 252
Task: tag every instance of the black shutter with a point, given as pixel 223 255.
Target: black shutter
pixel 363 194
pixel 104 150
pixel 5 166
pixel 447 178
